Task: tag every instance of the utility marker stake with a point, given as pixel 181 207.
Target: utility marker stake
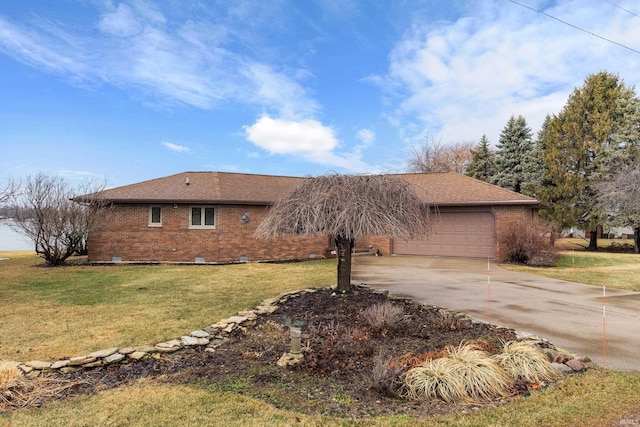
pixel 489 289
pixel 604 322
pixel 573 266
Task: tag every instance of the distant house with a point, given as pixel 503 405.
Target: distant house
pixel 210 217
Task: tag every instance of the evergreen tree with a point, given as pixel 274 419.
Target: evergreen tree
pixel 513 148
pixel 483 162
pixel 592 136
pixel 534 167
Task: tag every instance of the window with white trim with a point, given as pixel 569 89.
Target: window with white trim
pixel 202 217
pixel 155 216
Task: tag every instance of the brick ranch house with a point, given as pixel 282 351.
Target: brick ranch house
pixel 210 217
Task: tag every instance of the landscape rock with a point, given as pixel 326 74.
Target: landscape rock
pixel 81 360
pixel 250 314
pixel 137 355
pixel 562 368
pixel 60 364
pixel 103 353
pixel 189 340
pixel 290 359
pixel 115 357
pixel 200 334
pixel 38 364
pixel 237 319
pixel 576 365
pixel 127 350
pixel 26 369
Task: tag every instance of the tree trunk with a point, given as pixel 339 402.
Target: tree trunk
pixel 593 240
pixel 344 248
pixel 552 237
pixel 636 240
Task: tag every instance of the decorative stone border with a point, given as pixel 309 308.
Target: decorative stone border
pixel 212 336
pixel 217 334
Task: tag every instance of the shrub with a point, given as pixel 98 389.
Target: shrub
pixel 385 376
pixel 524 362
pixel 527 245
pixel 385 315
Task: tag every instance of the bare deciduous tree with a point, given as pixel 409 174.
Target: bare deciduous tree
pixel 347 207
pixel 57 225
pixel 619 199
pixel 436 157
pixel 8 191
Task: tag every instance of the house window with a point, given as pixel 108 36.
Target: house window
pixel 155 216
pixel 202 217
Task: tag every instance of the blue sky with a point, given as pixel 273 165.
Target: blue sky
pixel 133 90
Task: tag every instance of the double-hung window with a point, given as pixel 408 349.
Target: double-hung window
pixel 155 216
pixel 202 217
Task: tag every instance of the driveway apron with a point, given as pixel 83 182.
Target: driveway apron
pixel 573 316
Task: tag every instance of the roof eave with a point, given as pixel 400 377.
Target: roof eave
pixel 490 203
pixel 186 201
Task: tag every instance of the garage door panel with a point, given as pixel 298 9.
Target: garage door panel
pixel 468 234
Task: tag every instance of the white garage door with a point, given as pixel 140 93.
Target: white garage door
pixel 464 234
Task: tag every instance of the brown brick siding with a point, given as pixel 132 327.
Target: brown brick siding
pixel 381 243
pixel 504 215
pixel 126 234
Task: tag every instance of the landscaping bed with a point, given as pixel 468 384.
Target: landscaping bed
pixel 352 364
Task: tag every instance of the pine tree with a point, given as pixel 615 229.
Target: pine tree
pixel 483 162
pixel 534 167
pixel 513 148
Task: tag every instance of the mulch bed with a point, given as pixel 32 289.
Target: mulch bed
pixel 341 351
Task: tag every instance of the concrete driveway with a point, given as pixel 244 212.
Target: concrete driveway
pixel 569 315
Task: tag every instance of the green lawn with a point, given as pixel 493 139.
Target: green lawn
pixel 620 271
pixel 48 313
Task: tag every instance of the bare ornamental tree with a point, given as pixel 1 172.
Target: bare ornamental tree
pixel 57 225
pixel 347 207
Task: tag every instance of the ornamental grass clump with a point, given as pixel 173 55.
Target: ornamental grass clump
pixel 436 379
pixel 465 375
pixel 484 378
pixel 11 382
pixel 525 362
pixel 384 316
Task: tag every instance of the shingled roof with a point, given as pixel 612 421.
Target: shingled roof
pixel 454 189
pixel 442 189
pixel 205 187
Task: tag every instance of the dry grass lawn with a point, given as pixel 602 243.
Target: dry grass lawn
pixel 597 398
pixel 49 313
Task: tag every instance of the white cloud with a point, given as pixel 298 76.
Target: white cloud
pixel 282 136
pixel 121 22
pixel 41 49
pixel 308 139
pixel 366 136
pixel 175 147
pixel 462 79
pixel 177 61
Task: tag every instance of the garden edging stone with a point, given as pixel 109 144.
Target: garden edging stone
pixel 217 334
